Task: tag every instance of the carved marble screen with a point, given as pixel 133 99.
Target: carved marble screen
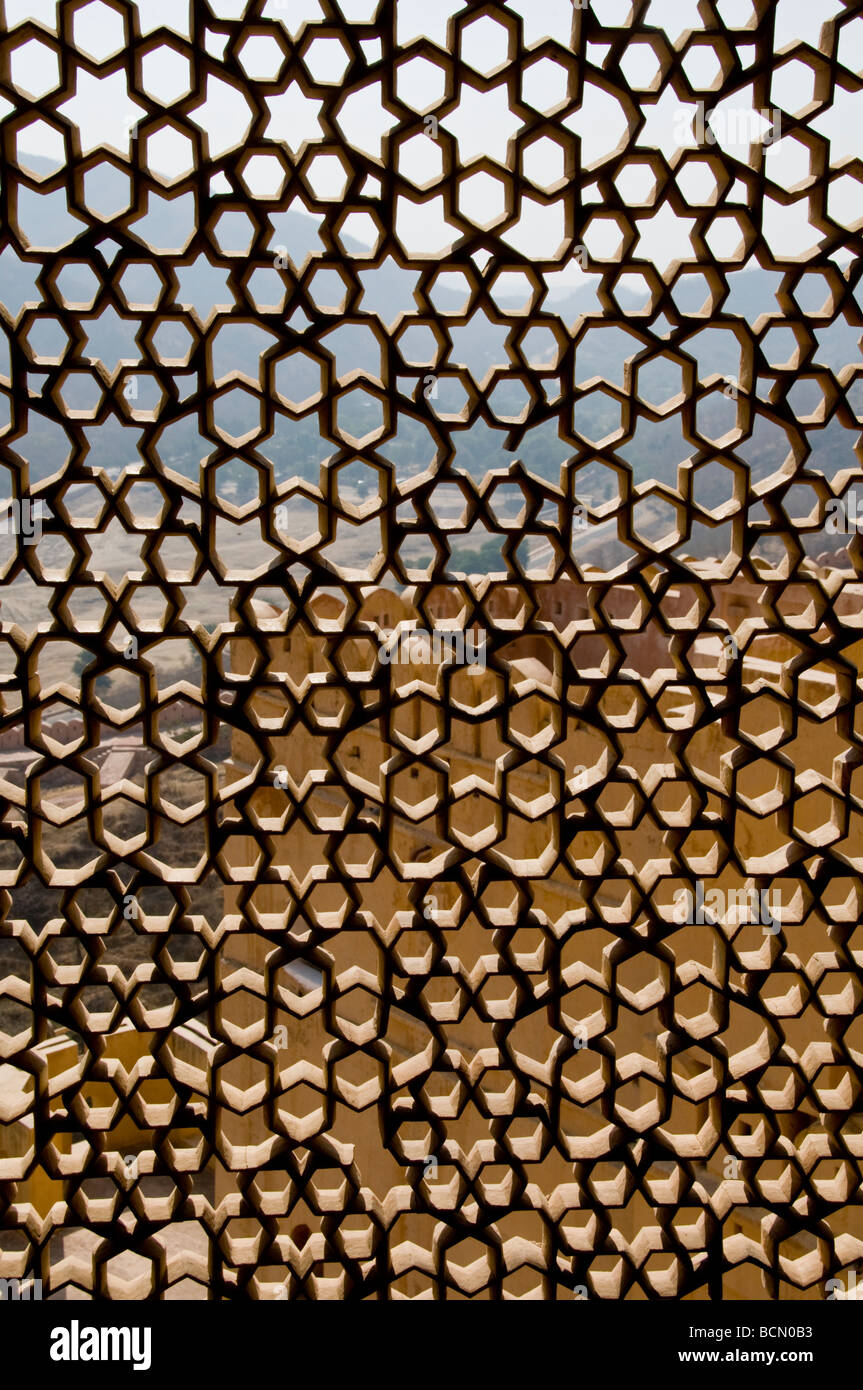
pixel 432 634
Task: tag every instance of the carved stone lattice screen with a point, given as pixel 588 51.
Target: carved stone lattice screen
pixel 517 957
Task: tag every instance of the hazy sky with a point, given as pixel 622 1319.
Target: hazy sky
pixel 482 124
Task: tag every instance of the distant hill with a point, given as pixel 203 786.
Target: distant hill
pixel 656 448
